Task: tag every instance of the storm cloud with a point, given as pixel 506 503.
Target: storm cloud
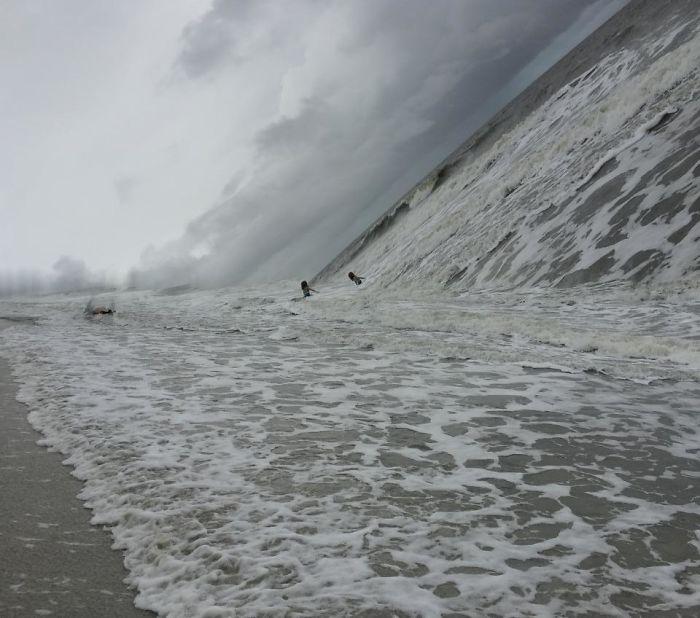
pixel 374 93
pixel 214 141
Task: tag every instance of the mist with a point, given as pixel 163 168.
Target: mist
pixel 68 274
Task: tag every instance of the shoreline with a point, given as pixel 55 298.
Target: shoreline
pixel 56 562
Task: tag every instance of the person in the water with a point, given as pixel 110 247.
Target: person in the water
pixel 102 310
pixel 356 279
pixel 306 289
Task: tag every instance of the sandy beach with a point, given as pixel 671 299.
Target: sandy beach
pixel 54 561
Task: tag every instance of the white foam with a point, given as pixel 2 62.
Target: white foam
pixel 555 153
pixel 241 470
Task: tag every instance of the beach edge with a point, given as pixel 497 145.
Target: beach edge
pixel 61 564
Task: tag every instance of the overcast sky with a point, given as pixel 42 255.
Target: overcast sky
pixel 208 141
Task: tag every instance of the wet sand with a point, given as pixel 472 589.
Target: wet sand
pixel 54 562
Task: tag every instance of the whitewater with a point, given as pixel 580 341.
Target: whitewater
pixel 589 175
pixel 359 453
pixel 502 420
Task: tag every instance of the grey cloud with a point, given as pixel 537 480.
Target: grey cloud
pixel 233 184
pixel 209 41
pixel 124 187
pixel 71 273
pixel 433 66
pixel 216 37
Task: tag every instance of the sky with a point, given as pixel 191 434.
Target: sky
pixel 212 141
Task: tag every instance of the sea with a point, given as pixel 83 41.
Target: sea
pixel 362 453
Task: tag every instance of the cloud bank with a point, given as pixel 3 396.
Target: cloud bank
pixel 372 93
pixel 212 141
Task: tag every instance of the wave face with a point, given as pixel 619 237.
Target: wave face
pixel 590 175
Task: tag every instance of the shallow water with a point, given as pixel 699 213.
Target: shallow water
pixel 365 455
